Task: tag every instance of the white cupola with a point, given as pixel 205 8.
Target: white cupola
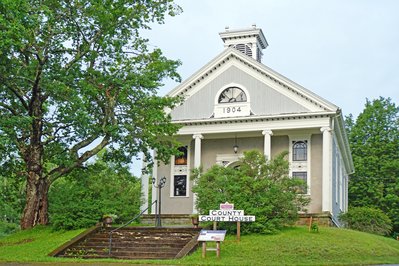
pixel 250 41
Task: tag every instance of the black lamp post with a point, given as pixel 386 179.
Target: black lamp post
pixel 161 183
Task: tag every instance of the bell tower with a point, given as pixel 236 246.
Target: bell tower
pixel 250 41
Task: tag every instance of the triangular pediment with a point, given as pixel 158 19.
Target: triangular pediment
pixel 268 93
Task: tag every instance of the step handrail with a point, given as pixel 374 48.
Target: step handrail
pixel 129 222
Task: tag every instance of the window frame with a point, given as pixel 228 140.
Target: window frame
pixel 185 186
pixel 183 158
pixel 179 170
pixel 304 190
pixel 297 151
pixel 301 166
pixel 228 102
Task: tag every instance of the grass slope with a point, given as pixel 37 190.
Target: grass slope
pixel 293 246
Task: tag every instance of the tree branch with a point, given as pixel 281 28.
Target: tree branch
pixel 16 93
pixel 82 144
pixel 79 54
pixel 62 170
pixel 53 136
pixel 9 108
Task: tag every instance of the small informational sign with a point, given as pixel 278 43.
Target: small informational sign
pixel 212 235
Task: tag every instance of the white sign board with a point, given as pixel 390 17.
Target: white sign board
pixel 226 214
pixel 212 235
pixel 213 218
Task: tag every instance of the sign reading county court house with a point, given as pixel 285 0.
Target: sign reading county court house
pixel 226 214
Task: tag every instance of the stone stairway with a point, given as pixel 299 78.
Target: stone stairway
pixel 132 243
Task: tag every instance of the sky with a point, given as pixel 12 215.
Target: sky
pixel 344 51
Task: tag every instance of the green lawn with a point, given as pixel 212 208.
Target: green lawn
pixel 293 246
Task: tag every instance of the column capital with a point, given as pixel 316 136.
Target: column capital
pixel 198 136
pixel 325 129
pixel 267 132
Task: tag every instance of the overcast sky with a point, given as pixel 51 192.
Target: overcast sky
pixel 345 51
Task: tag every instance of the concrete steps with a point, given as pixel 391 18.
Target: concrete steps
pixel 132 243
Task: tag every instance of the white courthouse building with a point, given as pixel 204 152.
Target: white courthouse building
pixel 235 104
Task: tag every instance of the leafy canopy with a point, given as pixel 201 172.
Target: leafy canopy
pixel 76 75
pixel 374 141
pixel 259 187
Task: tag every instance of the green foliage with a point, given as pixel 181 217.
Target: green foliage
pixel 11 202
pixel 260 188
pixel 84 197
pixel 76 77
pixel 374 141
pixel 367 220
pixel 314 227
pixel 7 228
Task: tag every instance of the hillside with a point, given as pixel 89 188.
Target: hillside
pixel 293 246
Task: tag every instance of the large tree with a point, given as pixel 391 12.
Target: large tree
pixel 76 77
pixel 374 140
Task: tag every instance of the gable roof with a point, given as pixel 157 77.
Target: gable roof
pixel 192 84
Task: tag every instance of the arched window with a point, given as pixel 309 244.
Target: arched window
pixel 300 151
pixel 231 95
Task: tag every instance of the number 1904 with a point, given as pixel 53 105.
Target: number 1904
pixel 227 110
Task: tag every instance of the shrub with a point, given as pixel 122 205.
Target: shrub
pixel 368 220
pixel 12 200
pixel 7 228
pixel 81 199
pixel 259 187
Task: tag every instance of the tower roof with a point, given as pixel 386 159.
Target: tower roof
pixel 230 36
pixel 249 41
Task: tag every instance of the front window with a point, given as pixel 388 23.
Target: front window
pixel 180 185
pixel 304 177
pixel 300 151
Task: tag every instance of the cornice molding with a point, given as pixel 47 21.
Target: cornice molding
pixel 247 119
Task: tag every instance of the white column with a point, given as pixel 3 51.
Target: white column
pixel 197 150
pixel 267 143
pixel 346 193
pixel 154 175
pixel 326 174
pixel 144 187
pixel 197 162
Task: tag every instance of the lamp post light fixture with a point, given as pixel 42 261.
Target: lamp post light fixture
pixel 235 147
pixel 161 183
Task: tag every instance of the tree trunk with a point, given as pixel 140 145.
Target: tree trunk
pixel 37 185
pixel 36 206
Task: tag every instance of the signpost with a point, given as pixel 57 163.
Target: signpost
pixel 227 214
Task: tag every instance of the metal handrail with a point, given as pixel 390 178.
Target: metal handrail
pixel 129 222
